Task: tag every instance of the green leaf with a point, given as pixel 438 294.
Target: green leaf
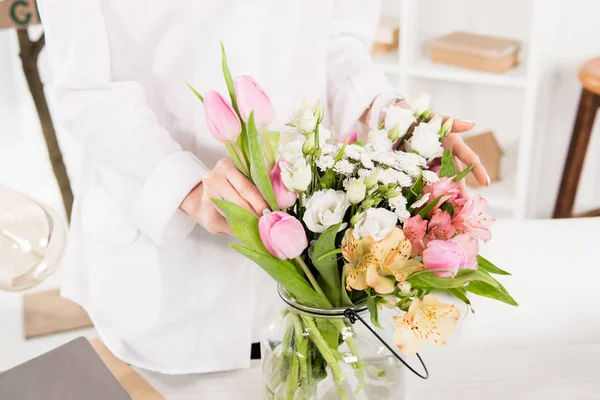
pixel 258 169
pixel 236 160
pixel 340 154
pixel 198 95
pixel 327 265
pixel 489 267
pixel 284 273
pixel 228 79
pixel 463 173
pixel 448 168
pixel 372 307
pixel 346 302
pixel 415 190
pixel 271 145
pixel 497 293
pixel 460 294
pixel 427 209
pixel 448 208
pixel 328 331
pixel 429 280
pixel 243 223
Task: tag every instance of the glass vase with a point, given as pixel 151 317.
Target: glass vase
pixel 312 353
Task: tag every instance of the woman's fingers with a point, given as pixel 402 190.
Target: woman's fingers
pixel 467 156
pixel 248 192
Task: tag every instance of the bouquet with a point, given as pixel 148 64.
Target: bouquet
pixel 379 222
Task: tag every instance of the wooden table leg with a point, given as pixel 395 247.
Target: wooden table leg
pixel 586 113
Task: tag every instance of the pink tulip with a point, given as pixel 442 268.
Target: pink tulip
pixel 440 226
pixel 471 246
pixel 446 188
pixel 471 218
pixel 351 136
pixel 414 229
pixel 285 197
pixel 445 257
pixel 223 123
pixel 282 235
pixel 251 97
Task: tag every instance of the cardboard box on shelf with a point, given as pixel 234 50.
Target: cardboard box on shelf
pixel 18 13
pixel 480 52
pixel 489 151
pixel 387 36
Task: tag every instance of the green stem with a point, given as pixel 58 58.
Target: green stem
pixel 319 341
pixel 292 380
pixel 311 277
pixel 301 353
pixel 235 157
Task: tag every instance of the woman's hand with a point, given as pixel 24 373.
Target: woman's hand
pixel 223 182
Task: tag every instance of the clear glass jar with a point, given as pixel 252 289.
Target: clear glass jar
pixel 312 353
pixel 32 240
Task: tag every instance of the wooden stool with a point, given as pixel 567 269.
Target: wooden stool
pixel 589 75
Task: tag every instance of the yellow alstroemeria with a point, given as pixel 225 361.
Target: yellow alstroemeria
pixel 376 264
pixel 426 320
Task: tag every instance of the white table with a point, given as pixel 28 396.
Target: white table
pixel 548 348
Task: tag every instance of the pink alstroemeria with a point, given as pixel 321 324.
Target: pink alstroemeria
pixel 351 136
pixel 251 97
pixel 414 229
pixel 222 121
pixel 471 218
pixel 445 257
pixel 471 246
pixel 444 188
pixel 282 235
pixel 440 226
pixel 285 197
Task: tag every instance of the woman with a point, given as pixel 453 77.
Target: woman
pixel 145 258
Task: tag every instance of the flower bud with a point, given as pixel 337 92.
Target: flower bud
pixel 283 235
pixel 309 144
pixel 371 180
pixel 368 203
pixel 251 97
pixel 318 112
pixel 446 128
pixel 394 133
pixel 222 121
pixel 355 191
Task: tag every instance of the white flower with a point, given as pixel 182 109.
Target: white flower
pixel 430 177
pixel 379 139
pixel 404 287
pixel 325 162
pixel 355 190
pixel 292 150
pixel 403 179
pixel 375 222
pixel 403 215
pixel 421 104
pixel 304 118
pixel 387 176
pixel 330 149
pixel 365 160
pixel 400 119
pixel 364 173
pixel 344 167
pixel 325 208
pixel 354 152
pixel 421 200
pixel 426 141
pixel 398 203
pixel 386 157
pixel 296 176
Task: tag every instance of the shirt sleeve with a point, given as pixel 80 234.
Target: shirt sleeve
pixel 141 166
pixel 353 81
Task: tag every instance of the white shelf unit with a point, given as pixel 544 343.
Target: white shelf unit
pixel 411 64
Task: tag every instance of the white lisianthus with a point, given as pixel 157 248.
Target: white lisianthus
pixel 430 177
pixel 421 104
pixel 365 160
pixel 325 162
pixel 421 200
pixel 292 150
pixel 379 139
pixel 355 190
pixel 304 118
pixel 425 139
pixel 344 167
pixel 375 222
pixel 325 208
pixel 296 176
pixel 400 119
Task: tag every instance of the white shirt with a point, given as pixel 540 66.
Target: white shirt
pixel 164 294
